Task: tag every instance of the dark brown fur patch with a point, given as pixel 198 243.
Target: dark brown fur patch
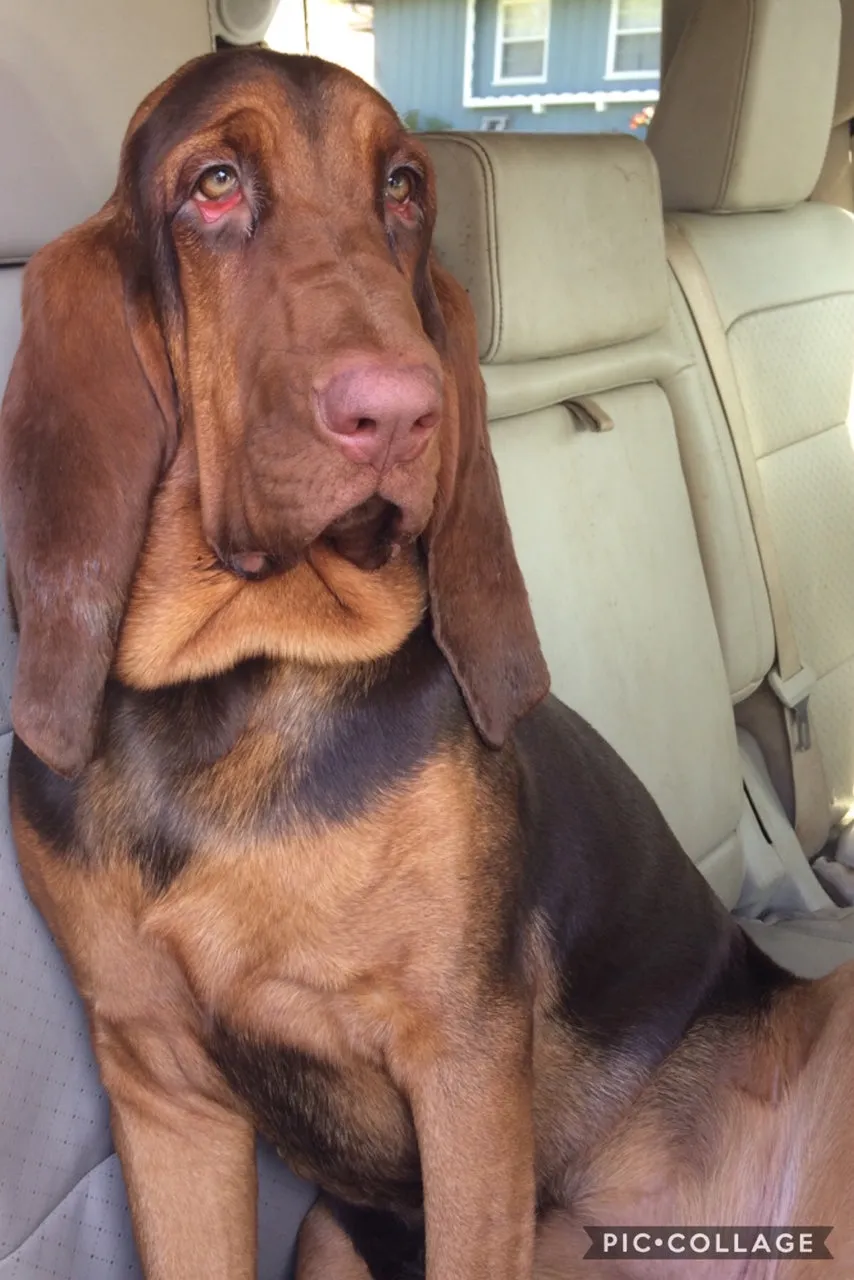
pixel 48 801
pixel 391 1248
pixel 346 1129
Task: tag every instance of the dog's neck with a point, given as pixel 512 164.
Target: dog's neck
pixel 312 744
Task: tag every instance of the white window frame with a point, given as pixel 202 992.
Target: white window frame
pixel 500 41
pixel 613 32
pixel 600 98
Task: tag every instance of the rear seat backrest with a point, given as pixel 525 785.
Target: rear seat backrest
pixel 71 73
pixel 559 241
pixel 739 135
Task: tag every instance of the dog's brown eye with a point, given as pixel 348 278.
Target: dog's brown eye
pixel 217 183
pixel 399 186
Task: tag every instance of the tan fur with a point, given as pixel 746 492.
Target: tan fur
pixel 343 944
pixel 189 619
pixel 340 942
pixel 327 943
pixel 325 1252
pixel 699 1148
pixel 169 1109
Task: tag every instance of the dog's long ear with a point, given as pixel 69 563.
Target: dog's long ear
pixel 88 423
pixel 479 605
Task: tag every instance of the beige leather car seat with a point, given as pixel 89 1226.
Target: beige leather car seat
pixel 560 243
pixel 740 135
pixel 559 240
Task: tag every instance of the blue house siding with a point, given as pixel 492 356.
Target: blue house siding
pixel 420 66
pixel 419 57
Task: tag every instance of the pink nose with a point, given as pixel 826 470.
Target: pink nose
pixel 381 414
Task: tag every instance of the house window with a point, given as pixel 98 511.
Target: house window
pixel 634 42
pixel 521 41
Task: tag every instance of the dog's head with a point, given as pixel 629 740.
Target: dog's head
pixel 258 297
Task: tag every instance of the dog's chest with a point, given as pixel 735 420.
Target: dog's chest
pixel 343 1126
pixel 311 959
pixel 308 904
pixel 303 987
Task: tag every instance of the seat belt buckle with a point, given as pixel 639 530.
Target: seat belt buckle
pixel 794 694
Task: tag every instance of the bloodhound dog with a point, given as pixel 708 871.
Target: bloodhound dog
pixel 325 861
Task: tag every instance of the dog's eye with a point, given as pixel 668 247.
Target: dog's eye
pixel 217 183
pixel 400 186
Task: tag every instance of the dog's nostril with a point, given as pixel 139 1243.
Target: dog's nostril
pixel 380 414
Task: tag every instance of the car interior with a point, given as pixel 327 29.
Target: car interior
pixel 666 335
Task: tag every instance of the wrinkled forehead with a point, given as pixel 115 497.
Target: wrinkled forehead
pixel 276 106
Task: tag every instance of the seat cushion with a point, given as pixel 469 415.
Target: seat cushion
pixel 784 286
pixel 781 272
pixel 601 519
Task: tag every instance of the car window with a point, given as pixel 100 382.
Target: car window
pixel 554 66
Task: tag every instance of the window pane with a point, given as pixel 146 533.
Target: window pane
pixel 525 18
pixel 522 59
pixel 637 14
pixel 416 54
pixel 637 53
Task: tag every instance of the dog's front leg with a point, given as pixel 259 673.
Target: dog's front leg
pixel 187 1159
pixel 473 1116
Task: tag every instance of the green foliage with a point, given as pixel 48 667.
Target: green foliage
pixel 429 124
